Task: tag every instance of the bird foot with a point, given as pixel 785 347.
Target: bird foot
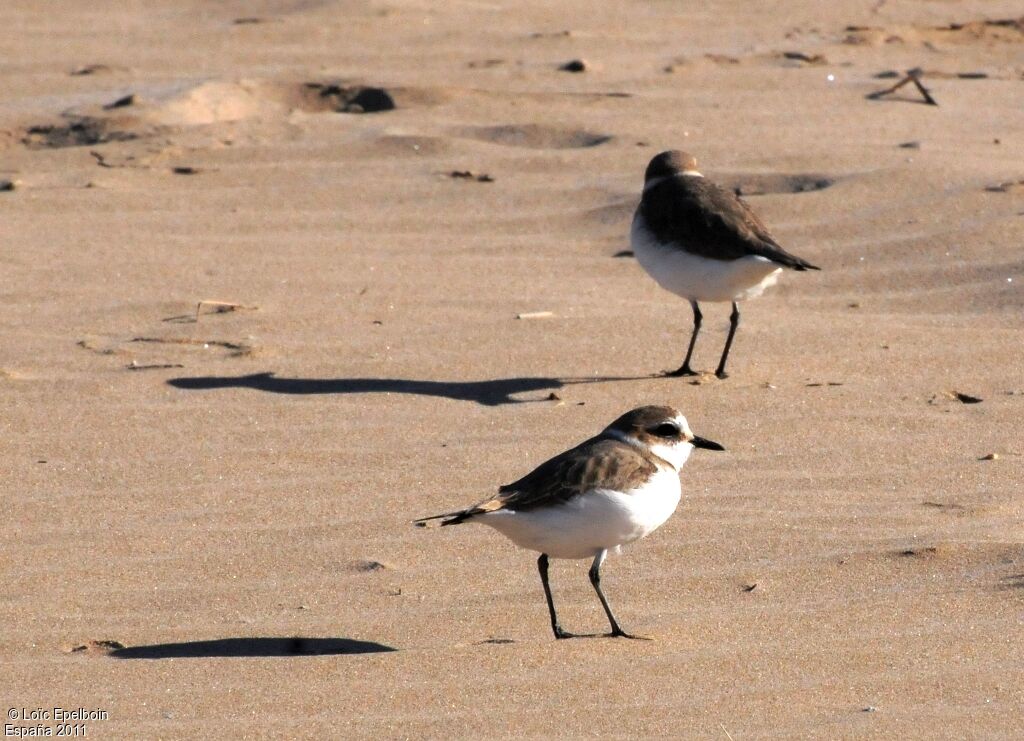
pixel 560 634
pixel 686 370
pixel 619 633
pixel 721 374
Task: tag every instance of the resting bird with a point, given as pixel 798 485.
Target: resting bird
pixel 702 242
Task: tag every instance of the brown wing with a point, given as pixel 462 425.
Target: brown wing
pixel 708 220
pixel 597 463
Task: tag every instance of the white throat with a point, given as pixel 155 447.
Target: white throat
pixel 674 455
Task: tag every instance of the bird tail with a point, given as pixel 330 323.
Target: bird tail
pixel 453 518
pixel 771 250
pixel 804 265
pixel 791 261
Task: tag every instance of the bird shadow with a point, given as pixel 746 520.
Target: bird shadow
pixel 492 392
pixel 226 648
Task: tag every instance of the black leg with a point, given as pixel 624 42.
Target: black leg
pixel 685 369
pixel 595 579
pixel 542 566
pixel 734 321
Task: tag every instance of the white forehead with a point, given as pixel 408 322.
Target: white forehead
pixel 680 420
pixel 653 182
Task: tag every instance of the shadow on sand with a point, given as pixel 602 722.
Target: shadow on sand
pixel 252 647
pixel 489 393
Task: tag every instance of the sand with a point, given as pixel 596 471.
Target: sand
pixel 230 498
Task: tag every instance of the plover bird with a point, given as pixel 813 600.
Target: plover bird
pixel 608 491
pixel 702 242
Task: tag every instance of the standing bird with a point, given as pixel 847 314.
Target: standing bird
pixel 702 242
pixel 607 491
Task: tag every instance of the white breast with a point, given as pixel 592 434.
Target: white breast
pixel 589 523
pixel 697 278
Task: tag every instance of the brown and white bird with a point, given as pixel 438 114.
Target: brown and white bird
pixel 608 491
pixel 702 242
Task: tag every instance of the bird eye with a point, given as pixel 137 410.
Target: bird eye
pixel 666 429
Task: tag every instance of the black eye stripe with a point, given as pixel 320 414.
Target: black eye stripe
pixel 666 429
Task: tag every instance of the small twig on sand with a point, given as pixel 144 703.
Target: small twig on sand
pixel 914 76
pixel 100 159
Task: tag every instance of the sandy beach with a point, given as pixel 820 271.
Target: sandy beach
pixel 208 506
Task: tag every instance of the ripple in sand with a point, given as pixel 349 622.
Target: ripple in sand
pixel 399 144
pixel 619 212
pixel 143 112
pixel 985 32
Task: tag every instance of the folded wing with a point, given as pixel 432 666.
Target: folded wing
pixel 712 222
pixel 597 463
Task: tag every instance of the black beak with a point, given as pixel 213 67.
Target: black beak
pixel 700 442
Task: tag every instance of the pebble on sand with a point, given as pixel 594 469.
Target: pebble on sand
pixel 575 65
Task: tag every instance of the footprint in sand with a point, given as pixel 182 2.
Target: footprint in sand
pixel 534 136
pixel 78 132
pixel 164 352
pixel 345 96
pixel 764 184
pixel 347 99
pixel 94 648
